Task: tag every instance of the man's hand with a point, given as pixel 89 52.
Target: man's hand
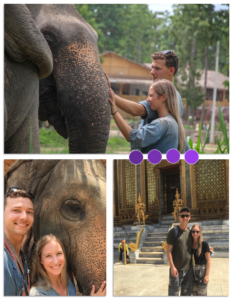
pixel 206 279
pixel 101 291
pixel 174 272
pixel 108 81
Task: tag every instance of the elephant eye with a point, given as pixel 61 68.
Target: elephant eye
pixel 73 210
pixel 49 39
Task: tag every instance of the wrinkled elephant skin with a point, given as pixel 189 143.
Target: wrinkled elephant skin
pixel 75 97
pixel 70 202
pixel 27 58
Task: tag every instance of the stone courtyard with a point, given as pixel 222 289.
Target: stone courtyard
pixel 152 280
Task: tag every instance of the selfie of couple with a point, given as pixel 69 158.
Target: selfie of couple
pixel 189 258
pixel 49 231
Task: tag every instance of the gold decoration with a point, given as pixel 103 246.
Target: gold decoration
pixel 210 178
pixel 140 208
pixel 130 184
pixel 177 205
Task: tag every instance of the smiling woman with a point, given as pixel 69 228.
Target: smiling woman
pixel 50 269
pixel 70 203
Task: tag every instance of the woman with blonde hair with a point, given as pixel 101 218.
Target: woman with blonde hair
pixel 164 133
pixel 49 271
pixel 200 262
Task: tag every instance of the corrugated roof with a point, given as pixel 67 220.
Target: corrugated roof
pixel 141 65
pixel 131 81
pixel 210 79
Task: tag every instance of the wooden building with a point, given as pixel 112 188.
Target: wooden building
pixel 203 187
pixel 222 92
pixel 132 80
pixel 128 79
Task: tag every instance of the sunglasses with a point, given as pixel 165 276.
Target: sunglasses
pixel 16 189
pixel 169 51
pixel 184 216
pixel 195 231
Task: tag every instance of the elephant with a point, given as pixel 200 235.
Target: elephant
pixel 27 58
pixel 70 203
pixel 75 97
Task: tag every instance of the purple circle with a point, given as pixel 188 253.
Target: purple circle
pixel 173 156
pixel 154 157
pixel 136 157
pixel 191 156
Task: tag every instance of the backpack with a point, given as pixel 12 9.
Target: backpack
pixel 177 235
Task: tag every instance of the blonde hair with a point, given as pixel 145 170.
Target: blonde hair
pixel 164 86
pixel 200 239
pixel 39 276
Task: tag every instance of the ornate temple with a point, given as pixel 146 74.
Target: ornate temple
pixel 203 187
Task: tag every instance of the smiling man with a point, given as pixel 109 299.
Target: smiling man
pixel 18 220
pixel 179 247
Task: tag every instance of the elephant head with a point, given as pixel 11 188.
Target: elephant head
pixel 27 58
pixel 70 202
pixel 74 98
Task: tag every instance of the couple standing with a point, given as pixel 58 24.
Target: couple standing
pixel 161 127
pixel 189 258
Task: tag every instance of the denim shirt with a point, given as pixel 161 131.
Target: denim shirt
pixel 161 134
pixel 38 291
pixel 153 115
pixel 13 279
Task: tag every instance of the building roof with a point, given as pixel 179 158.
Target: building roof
pixel 141 65
pixel 210 79
pixel 131 81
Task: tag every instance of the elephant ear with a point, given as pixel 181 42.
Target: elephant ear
pixel 48 108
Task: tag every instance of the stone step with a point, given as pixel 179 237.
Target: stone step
pixel 157 233
pixel 155 244
pixel 126 233
pixel 151 255
pixel 146 260
pixel 156 241
pixel 156 238
pixel 168 217
pixel 151 249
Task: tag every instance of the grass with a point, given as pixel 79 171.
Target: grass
pixel 189 126
pixel 118 145
pixel 52 142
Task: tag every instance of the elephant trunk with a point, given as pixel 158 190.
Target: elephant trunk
pixel 92 252
pixel 83 98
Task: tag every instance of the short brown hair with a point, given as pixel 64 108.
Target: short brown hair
pixel 16 193
pixel 171 59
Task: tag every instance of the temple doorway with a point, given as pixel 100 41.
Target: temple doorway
pixel 172 182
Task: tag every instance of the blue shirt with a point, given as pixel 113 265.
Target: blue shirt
pixel 161 134
pixel 38 291
pixel 153 115
pixel 13 279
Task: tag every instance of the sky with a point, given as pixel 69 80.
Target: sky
pixel 166 6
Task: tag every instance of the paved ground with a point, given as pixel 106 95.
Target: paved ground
pixel 152 280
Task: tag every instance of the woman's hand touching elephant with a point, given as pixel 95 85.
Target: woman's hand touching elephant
pixel 112 102
pixel 108 81
pixel 101 291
